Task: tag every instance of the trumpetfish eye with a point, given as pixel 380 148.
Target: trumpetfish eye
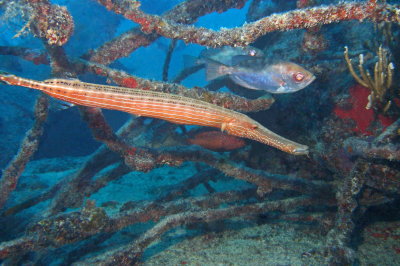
pixel 298 77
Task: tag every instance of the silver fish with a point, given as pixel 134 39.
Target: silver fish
pixel 226 54
pixel 223 55
pixel 255 73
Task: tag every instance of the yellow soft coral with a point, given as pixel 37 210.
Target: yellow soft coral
pixel 379 83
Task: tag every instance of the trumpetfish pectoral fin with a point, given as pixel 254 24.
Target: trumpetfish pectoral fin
pixel 223 126
pixel 60 105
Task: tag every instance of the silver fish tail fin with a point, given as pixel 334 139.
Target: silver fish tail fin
pixel 216 69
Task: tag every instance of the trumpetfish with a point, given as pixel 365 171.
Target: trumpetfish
pixel 173 108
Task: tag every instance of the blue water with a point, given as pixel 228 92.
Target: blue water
pixel 65 203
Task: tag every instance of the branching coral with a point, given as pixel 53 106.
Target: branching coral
pixel 185 13
pixel 353 183
pixel 32 55
pixel 242 36
pixel 13 171
pixel 379 84
pixel 377 149
pixel 14 11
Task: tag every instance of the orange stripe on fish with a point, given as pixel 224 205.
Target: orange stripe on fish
pixel 170 107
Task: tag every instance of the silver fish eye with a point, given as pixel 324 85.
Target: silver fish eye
pixel 252 52
pixel 298 77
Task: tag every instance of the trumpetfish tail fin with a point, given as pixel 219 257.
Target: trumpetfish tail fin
pixel 3 76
